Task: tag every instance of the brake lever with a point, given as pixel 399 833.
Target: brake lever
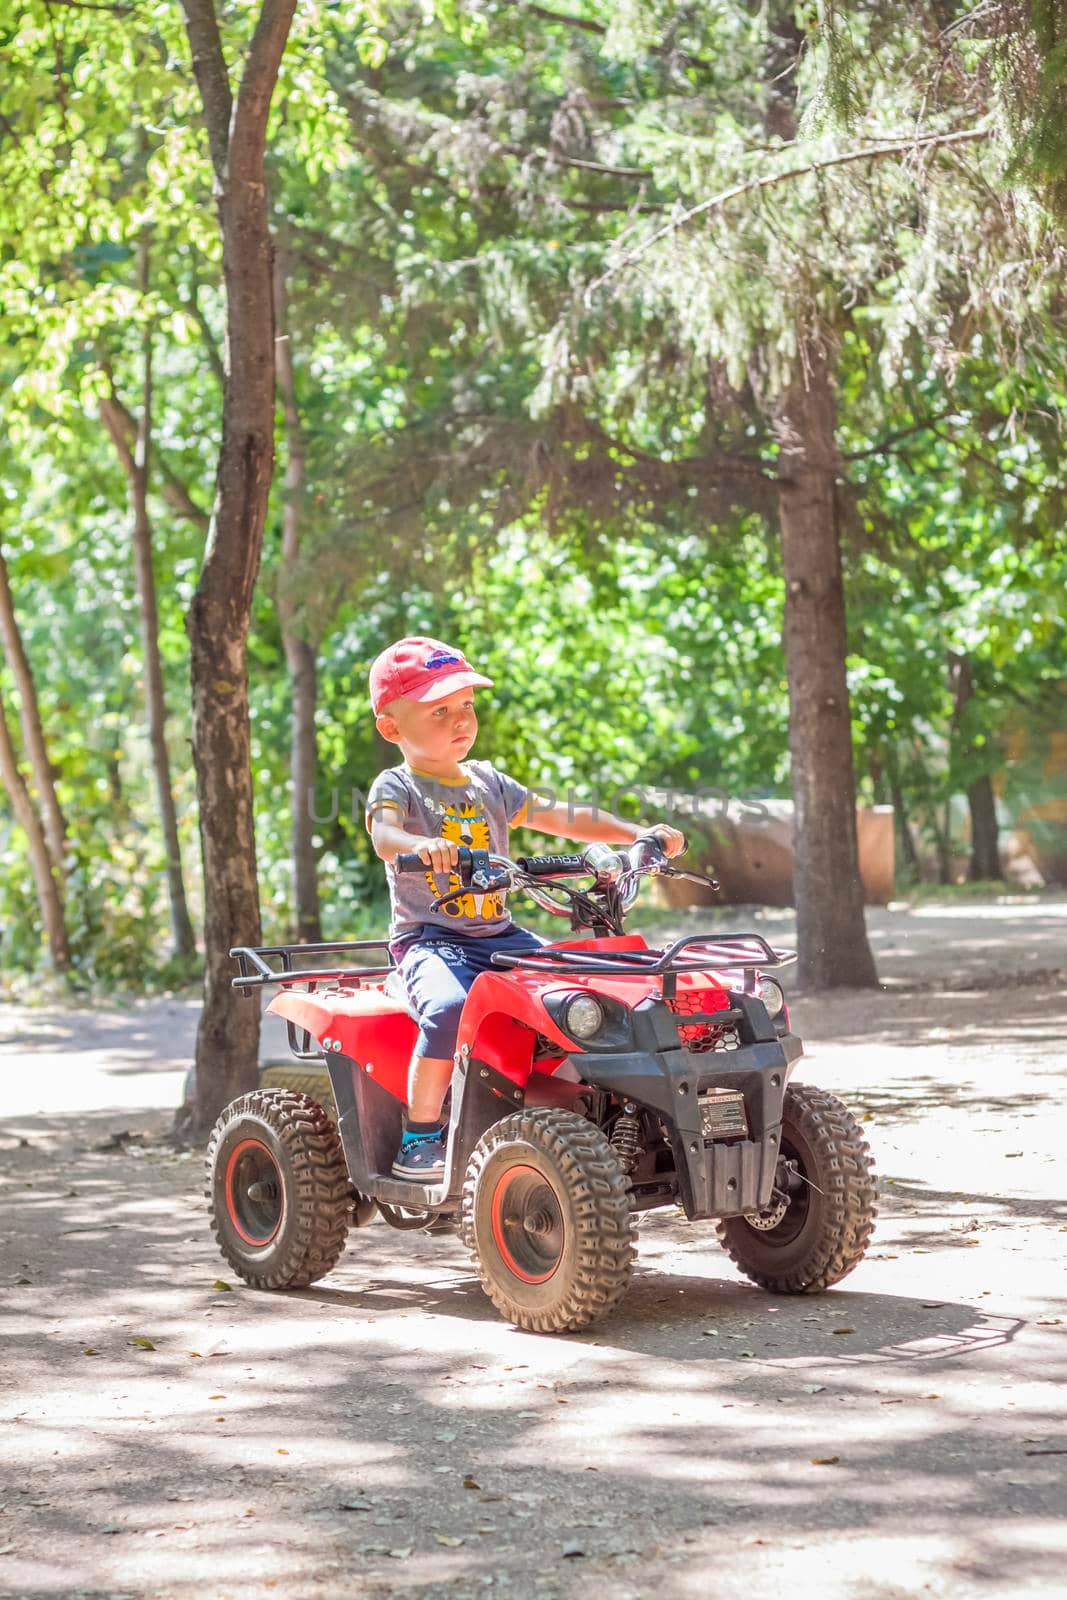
pixel 481 883
pixel 694 877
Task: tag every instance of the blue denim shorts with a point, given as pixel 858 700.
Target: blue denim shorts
pixel 439 969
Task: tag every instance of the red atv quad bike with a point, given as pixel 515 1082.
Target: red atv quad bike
pixel 594 1079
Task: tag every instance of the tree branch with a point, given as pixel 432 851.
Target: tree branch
pixel 212 79
pixel 261 72
pixel 928 425
pixel 716 201
pixel 87 5
pixel 566 20
pixel 122 428
pixel 560 160
pixel 214 359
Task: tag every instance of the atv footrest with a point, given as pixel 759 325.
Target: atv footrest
pixel 413 1196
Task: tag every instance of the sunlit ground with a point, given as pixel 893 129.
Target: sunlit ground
pixel 385 1433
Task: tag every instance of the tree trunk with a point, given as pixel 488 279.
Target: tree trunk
pixel 137 466
pixel 943 840
pixel 44 875
pixel 900 812
pixel 227 1044
pixel 299 650
pixel 985 831
pixel 54 825
pixel 831 931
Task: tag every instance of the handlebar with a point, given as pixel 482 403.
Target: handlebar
pixel 478 869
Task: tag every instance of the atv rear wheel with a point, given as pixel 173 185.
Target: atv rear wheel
pixel 818 1226
pixel 546 1216
pixel 278 1189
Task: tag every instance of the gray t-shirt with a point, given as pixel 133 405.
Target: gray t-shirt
pixel 474 812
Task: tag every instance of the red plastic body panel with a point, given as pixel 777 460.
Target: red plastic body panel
pixel 371 1028
pixel 504 1011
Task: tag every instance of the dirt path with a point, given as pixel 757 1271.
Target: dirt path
pixel 384 1434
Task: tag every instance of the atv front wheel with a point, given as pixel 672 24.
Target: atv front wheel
pixel 278 1189
pixel 546 1216
pixel 819 1222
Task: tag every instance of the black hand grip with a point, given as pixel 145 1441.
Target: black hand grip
pixel 646 852
pixel 551 866
pixel 468 861
pixel 408 863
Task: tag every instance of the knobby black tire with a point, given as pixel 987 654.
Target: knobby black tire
pixel 592 1193
pixel 837 1228
pixel 313 1176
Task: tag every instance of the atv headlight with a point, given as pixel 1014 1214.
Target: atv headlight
pixel 772 995
pixel 583 1016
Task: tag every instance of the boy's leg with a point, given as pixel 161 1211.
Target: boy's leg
pixel 437 978
pixel 428 1080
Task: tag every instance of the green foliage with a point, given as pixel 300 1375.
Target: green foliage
pixel 528 423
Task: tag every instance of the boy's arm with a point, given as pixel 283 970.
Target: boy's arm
pixel 587 826
pixel 390 840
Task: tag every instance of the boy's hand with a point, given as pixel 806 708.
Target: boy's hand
pixel 672 841
pixel 440 854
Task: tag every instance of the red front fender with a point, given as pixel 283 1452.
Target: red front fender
pixel 505 1009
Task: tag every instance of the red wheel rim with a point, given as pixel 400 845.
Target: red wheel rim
pixel 527 1223
pixel 254 1193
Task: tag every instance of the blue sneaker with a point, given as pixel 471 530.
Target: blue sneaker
pixel 422 1157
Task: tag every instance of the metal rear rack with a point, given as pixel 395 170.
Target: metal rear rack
pixel 256 971
pixel 748 951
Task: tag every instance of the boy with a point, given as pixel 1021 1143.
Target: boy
pixel 422 695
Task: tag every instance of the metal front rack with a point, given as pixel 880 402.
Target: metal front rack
pixel 256 971
pixel 749 951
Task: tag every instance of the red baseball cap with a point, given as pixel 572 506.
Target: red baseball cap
pixel 420 669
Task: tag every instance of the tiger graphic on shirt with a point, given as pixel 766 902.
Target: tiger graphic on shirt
pixel 465 823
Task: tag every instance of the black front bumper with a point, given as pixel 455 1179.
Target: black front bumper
pixel 716 1178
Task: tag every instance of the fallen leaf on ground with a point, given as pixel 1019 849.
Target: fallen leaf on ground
pixel 282 1452
pixel 842 1330
pixel 90 1352
pixel 471 1482
pixel 825 1461
pixel 142 1342
pixel 216 1397
pixel 222 1286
